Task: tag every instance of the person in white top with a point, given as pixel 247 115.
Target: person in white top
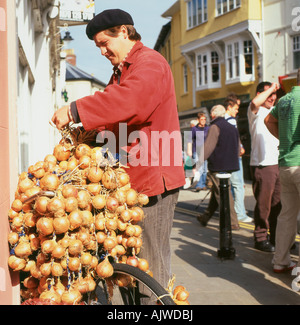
pixel 264 167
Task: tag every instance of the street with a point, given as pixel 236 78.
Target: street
pixel 248 279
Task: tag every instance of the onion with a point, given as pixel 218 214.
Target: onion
pixel 100 237
pixel 72 163
pixel 31 191
pixel 29 265
pixel 84 198
pixel 87 217
pixel 143 264
pixel 109 243
pixel 137 214
pixel 96 155
pixel 41 259
pixel 50 158
pixel 25 184
pixel 51 295
pixel 120 195
pixel 121 225
pixel 105 269
pixel 30 219
pixel 58 251
pixel 71 204
pixel 74 264
pixel 138 230
pixel 35 243
pixel 95 174
pixel 69 191
pixel 13 238
pixel 23 249
pixel 125 215
pixel 109 179
pixel 112 203
pixel 41 204
pixel 47 246
pixel 130 230
pixel 31 282
pixel 17 222
pixel 123 280
pixel 120 250
pixel 63 165
pixel 56 204
pixel 17 205
pixel 56 269
pixel 94 188
pixel 177 289
pixel 84 237
pixel 45 226
pixel 75 247
pixel 45 269
pixel 143 199
pixel 99 223
pixel 123 179
pixel 75 218
pixel 94 262
pixel 99 201
pixel 182 295
pixel 82 150
pixel 61 153
pixel 72 296
pixel 131 242
pixel 12 214
pixel 131 197
pixel 36 272
pixel 111 224
pixel 16 263
pixel 49 182
pixel 132 260
pixel 84 162
pixel 139 242
pixel 61 225
pixel 86 259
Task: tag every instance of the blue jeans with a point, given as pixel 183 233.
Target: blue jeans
pixel 238 192
pixel 203 173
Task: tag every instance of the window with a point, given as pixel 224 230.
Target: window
pixel 215 74
pixel 248 54
pixel 296 52
pixel 233 60
pixel 239 61
pixel 197 12
pixel 224 6
pixel 208 70
pixel 185 78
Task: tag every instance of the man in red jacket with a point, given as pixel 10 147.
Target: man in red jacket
pixel 139 107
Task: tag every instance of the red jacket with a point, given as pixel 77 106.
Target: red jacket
pixel 144 101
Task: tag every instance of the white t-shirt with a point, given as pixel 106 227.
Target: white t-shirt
pixel 264 146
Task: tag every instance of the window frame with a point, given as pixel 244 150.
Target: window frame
pixel 204 70
pixel 193 13
pixel 230 5
pixel 238 61
pixel 294 51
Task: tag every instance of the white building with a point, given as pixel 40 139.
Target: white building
pixel 281 23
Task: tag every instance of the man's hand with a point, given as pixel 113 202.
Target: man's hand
pixel 61 117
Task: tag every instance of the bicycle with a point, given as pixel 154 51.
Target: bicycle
pixel 139 282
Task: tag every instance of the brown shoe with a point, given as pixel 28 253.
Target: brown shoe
pixel 235 227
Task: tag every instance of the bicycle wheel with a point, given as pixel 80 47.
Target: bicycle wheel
pixel 131 295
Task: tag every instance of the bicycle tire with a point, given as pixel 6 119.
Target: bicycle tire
pixel 145 279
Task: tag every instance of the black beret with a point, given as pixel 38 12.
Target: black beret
pixel 107 19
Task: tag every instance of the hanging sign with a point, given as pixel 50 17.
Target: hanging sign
pixel 76 11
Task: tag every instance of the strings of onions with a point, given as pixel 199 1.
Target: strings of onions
pixel 61 245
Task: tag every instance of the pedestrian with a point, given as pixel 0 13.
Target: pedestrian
pixel 189 163
pixel 140 94
pixel 231 105
pixel 199 134
pixel 283 123
pixel 264 167
pixel 222 150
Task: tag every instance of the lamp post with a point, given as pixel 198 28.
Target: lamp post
pixel 226 250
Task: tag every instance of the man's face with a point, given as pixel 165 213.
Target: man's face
pixel 202 121
pixel 233 110
pixel 113 48
pixel 270 102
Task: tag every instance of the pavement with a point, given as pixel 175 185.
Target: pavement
pixel 247 279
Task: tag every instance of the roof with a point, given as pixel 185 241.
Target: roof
pixel 162 36
pixel 74 73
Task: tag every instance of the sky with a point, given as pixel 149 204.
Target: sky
pixel 147 21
